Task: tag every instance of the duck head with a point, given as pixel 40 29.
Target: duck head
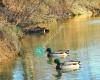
pixel 49 53
pixel 57 61
pixel 49 50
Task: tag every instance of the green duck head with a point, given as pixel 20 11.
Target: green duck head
pixel 57 61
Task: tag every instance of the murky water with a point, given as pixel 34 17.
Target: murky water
pixel 83 40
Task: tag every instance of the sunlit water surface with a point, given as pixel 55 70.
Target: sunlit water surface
pixel 83 40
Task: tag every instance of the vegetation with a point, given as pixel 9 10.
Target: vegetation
pixel 20 11
pixel 26 13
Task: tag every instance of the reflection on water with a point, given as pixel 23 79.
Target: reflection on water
pixel 6 70
pixel 80 37
pixel 12 70
pixel 18 72
pixel 95 21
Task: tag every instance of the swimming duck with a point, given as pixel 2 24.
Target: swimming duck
pixel 71 62
pixel 67 66
pixel 36 30
pixel 40 30
pixel 60 53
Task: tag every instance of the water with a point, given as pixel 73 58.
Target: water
pixel 83 40
pixel 12 70
pixel 80 36
pixel 18 72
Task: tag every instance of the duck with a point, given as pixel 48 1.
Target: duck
pixel 67 66
pixel 57 54
pixel 36 30
pixel 71 62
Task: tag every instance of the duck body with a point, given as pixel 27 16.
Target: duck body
pixel 70 67
pixel 58 54
pixel 67 66
pixel 40 30
pixel 71 62
pixel 61 54
pixel 36 30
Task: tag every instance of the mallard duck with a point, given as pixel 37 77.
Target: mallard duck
pixel 67 66
pixel 36 30
pixel 71 62
pixel 40 30
pixel 60 53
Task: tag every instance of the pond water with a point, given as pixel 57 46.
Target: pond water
pixel 12 70
pixel 80 36
pixel 83 40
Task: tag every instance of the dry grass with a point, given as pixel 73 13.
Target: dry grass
pixel 8 50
